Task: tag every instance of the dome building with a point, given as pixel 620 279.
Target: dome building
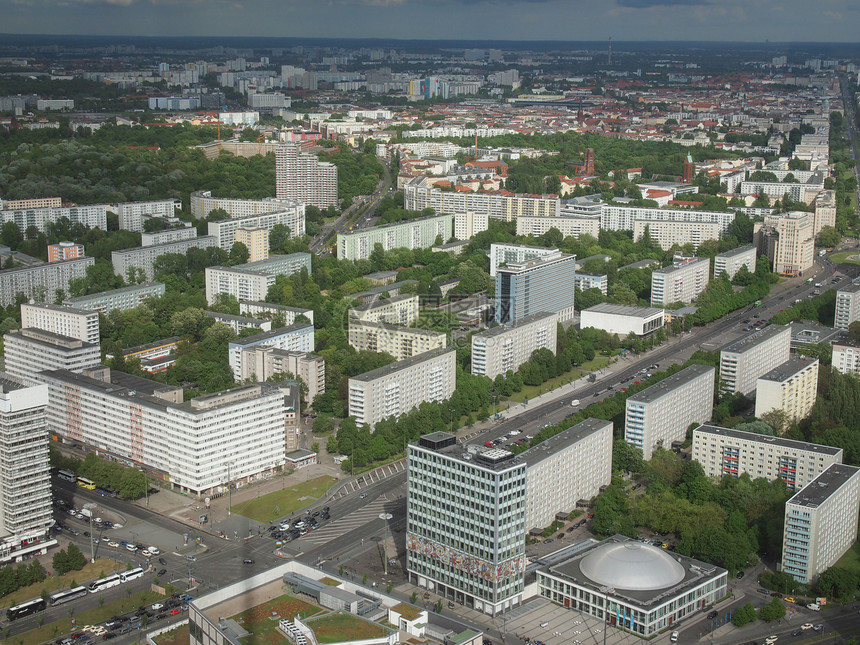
pixel 632 585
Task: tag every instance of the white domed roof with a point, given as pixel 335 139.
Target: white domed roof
pixel 631 565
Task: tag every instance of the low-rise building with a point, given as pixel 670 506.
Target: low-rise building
pixel 622 319
pixel 275 312
pixel 156 356
pixel 504 348
pixel 240 323
pixel 298 337
pixel 744 360
pixel 256 240
pixel 790 387
pixel 400 342
pixel 732 261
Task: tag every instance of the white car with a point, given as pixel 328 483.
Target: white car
pixel 674 637
pixel 574 403
pixel 131 547
pixel 771 639
pixel 806 626
pixel 157 606
pixel 114 544
pixel 146 553
pixel 154 550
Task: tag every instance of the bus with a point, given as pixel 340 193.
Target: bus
pixel 105 583
pixel 65 596
pixel 67 475
pixel 89 484
pixel 26 608
pixel 132 574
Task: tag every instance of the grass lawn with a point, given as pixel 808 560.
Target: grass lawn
pixel 91 571
pixel 842 258
pixel 531 391
pixel 179 636
pixel 263 627
pixel 340 627
pixel 331 582
pixel 285 501
pixel 851 559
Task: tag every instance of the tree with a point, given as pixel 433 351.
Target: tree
pixel 829 236
pixel 778 419
pixel 744 615
pixel 772 611
pixel 239 254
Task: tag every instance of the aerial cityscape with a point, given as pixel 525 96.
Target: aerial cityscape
pixel 448 323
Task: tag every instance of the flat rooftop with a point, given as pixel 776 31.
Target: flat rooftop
pixel 275 333
pixel 388 301
pixel 62 308
pixel 396 366
pixel 822 487
pixel 670 383
pixel 564 439
pixel 641 264
pixel 681 267
pixel 737 251
pixel 848 288
pixel 533 263
pixel 376 291
pixel 269 305
pixel 9 383
pixel 522 322
pixel 792 366
pixel 145 286
pixel 754 339
pixel 767 439
pixel 624 310
pixel 173 340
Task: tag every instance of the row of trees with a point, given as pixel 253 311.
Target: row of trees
pixel 13 578
pixel 68 559
pixel 128 482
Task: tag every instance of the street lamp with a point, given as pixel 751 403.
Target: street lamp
pixel 229 465
pixel 385 517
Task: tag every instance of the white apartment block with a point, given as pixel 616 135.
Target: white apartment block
pixel 169 235
pixel 660 414
pixel 681 282
pixel 821 523
pixel 790 387
pixel 567 225
pixel 293 217
pixel 776 190
pixel 302 176
pixel 400 342
pixel 66 321
pixel 298 337
pixel 420 233
pixel 202 203
pixel 122 298
pixel 398 387
pixel 272 311
pixel 501 254
pixel 586 281
pixel 398 310
pixel 825 211
pixel 504 348
pixel 26 512
pixel 847 306
pixel 199 446
pixel 787 239
pixel 467 225
pixel 261 362
pixel 93 216
pixel 624 218
pixel 42 282
pixel 566 468
pixel 846 358
pixel 131 214
pixel 732 261
pixel 144 257
pixel 622 319
pixel 251 281
pixel 668 234
pixel 30 351
pixel 724 451
pixel 744 360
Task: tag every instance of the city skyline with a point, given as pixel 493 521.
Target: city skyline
pixel 830 21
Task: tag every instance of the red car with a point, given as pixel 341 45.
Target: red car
pixel 489 444
pixel 637 382
pixel 175 612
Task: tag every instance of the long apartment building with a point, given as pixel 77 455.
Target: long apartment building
pixel 397 310
pixel 847 306
pixel 821 523
pixel 541 284
pixel 132 214
pixel 504 348
pixel 37 202
pixel 787 240
pixel 290 214
pixel 199 446
pixel 261 362
pixel 420 233
pixel 681 282
pixel 668 234
pixel 568 226
pixel 302 176
pixel 202 203
pixel 400 342
pixel 93 216
pixel 298 337
pixel 144 257
pixel 400 386
pixel 66 321
pixel 790 387
pixel 176 234
pixel 251 281
pixel 42 282
pixel 744 360
pixel 282 313
pixel 660 414
pixel 732 261
pixel 624 218
pixel 29 351
pixel 725 451
pixel 122 298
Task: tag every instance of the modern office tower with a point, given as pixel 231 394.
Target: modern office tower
pixel 744 360
pixel 790 387
pixel 93 216
pixel 202 203
pixel 420 233
pixel 661 414
pixel 122 298
pixel 500 349
pixel 42 282
pixel 566 470
pixel 298 337
pixel 501 254
pixel 847 306
pixel 66 321
pixel 256 240
pixel 681 282
pixel 274 312
pixel 846 357
pixel 25 476
pixel 787 239
pixel 542 284
pixel 132 214
pixel 300 175
pixel 29 351
pixel 168 235
pixel 400 342
pixel 622 319
pixel 586 281
pixel 671 233
pixel 567 225
pixel 400 386
pixel 292 216
pixel 724 451
pixel 251 281
pixel 65 251
pixel 261 362
pixel 466 523
pixel 825 211
pixel 199 446
pixel 399 310
pixel 144 257
pixel 732 261
pixel 821 523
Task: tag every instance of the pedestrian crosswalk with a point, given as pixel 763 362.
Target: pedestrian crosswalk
pixel 342 526
pixel 372 477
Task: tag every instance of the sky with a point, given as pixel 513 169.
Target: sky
pixel 566 20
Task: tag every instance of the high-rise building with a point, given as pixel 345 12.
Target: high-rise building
pixel 122 298
pixel 262 362
pixel 251 281
pixel 175 234
pixel 398 310
pixel 420 233
pixel 504 348
pixel 26 513
pixel 847 306
pixel 65 251
pixel 744 360
pixel 790 387
pixel 681 282
pixel 67 321
pixel 542 284
pixel 202 203
pixel 788 240
pixel 400 342
pixel 846 357
pixel 43 282
pixel 502 254
pixel 825 211
pixel 292 217
pixel 660 414
pixel 29 351
pixel 92 215
pixel 143 257
pixel 821 523
pixel 298 337
pixel 732 261
pixel 256 240
pixel 300 175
